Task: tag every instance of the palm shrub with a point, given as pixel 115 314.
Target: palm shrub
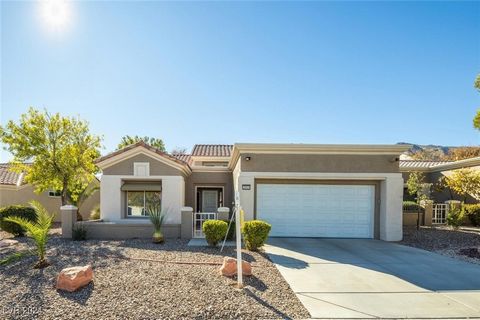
pixel 37 230
pixel 215 231
pixel 27 213
pixel 255 233
pixel 455 216
pixel 157 216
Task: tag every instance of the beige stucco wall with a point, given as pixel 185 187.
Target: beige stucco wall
pixel 88 205
pixel 112 199
pixel 391 207
pixel 220 179
pixel 25 194
pixel 318 163
pixel 410 218
pixel 127 230
pixel 391 187
pixel 157 168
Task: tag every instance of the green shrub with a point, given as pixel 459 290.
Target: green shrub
pixel 24 212
pixel 255 233
pixel 455 217
pixel 215 231
pixel 472 211
pixel 95 213
pixel 79 232
pixel 411 206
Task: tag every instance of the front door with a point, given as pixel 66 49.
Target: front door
pixel 209 200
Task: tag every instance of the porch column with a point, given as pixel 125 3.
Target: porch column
pixel 69 217
pixel 223 213
pixel 428 212
pixel 187 223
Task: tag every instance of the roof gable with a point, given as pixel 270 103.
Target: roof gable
pixel 142 148
pixel 155 166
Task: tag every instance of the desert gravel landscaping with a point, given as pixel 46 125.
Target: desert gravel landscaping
pixel 136 279
pixel 462 244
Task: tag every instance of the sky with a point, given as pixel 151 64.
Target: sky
pixel 224 72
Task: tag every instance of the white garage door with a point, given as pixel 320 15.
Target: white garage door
pixel 317 210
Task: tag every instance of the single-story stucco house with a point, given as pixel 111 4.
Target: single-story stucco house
pixel 302 190
pixel 15 191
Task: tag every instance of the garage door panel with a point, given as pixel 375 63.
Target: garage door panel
pixel 297 210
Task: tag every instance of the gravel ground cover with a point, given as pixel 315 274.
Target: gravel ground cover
pixel 458 244
pixel 136 279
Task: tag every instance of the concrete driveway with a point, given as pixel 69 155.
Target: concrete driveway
pixel 351 278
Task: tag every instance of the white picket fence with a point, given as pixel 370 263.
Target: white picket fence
pixel 198 219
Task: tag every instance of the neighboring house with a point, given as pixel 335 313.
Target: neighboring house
pixel 15 191
pixel 434 171
pixel 303 190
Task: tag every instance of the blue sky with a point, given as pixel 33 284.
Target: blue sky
pixel 217 72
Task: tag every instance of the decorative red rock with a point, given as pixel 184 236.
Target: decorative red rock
pixel 229 267
pixel 74 278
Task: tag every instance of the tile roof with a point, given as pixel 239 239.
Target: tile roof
pixel 8 177
pixel 183 157
pixel 421 164
pixel 143 144
pixel 212 150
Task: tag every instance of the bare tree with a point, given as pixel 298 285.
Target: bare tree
pixel 179 150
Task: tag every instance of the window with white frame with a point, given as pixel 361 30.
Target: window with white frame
pixel 139 201
pixel 54 193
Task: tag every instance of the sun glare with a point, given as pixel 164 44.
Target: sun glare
pixel 56 13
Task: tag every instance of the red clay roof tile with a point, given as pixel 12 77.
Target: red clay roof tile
pixel 212 150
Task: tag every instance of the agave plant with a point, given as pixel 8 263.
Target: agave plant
pixel 157 216
pixel 37 230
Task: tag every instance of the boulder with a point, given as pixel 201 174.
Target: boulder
pixel 229 267
pixel 74 278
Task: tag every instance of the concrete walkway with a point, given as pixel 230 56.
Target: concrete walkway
pixel 351 278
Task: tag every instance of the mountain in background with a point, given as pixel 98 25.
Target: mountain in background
pixel 439 153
